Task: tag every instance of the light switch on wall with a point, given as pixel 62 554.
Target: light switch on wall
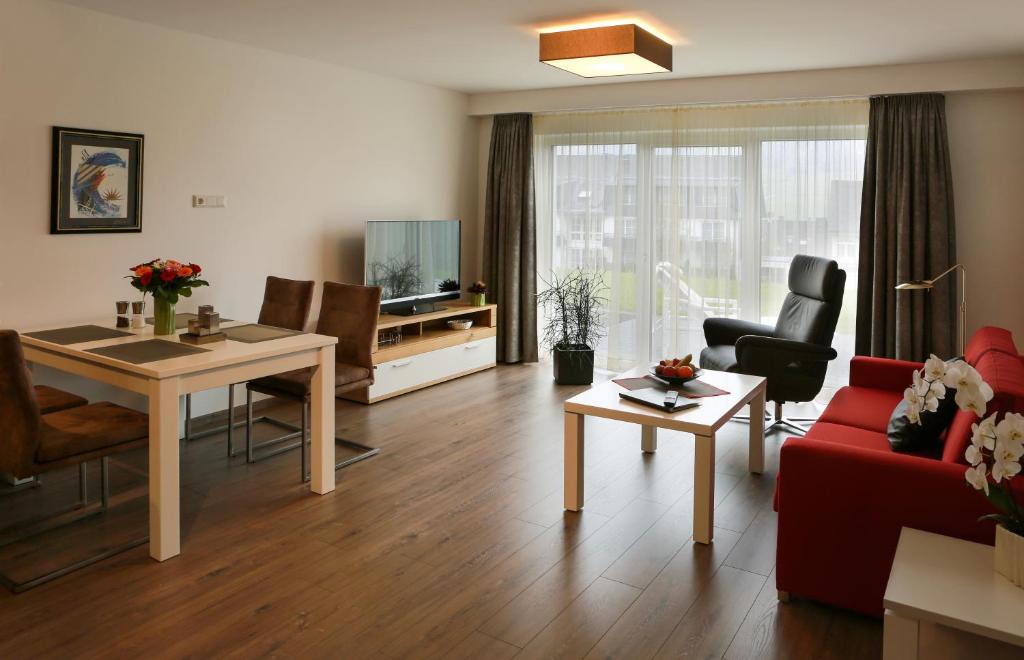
pixel 208 201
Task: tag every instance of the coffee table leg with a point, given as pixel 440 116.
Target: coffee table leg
pixel 649 439
pixel 573 461
pixel 704 488
pixel 756 457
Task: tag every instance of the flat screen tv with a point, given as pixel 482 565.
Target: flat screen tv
pixel 414 262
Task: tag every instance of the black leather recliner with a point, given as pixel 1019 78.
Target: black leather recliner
pixel 793 355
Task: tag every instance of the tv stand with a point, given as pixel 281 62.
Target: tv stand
pixel 417 309
pixel 430 352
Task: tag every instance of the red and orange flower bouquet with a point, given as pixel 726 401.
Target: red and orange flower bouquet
pixel 166 280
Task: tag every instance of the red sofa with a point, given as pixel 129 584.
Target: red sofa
pixel 843 495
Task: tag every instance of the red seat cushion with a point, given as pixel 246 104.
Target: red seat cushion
pixel 989 338
pixel 865 408
pixel 850 436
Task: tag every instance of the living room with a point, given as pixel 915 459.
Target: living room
pixel 765 213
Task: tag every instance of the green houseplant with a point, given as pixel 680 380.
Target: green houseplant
pixel 167 280
pixel 572 306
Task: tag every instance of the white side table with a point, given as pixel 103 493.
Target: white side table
pixel 943 595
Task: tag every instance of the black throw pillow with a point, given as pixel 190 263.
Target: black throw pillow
pixel 925 438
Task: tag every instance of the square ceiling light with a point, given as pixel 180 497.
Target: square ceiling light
pixel 612 50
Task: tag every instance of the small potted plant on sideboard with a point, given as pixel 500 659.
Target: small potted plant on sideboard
pixel 478 294
pixel 572 307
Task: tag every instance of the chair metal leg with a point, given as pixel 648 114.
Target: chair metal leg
pixel 74 514
pixel 229 427
pixel 31 482
pixel 83 484
pixel 105 482
pixel 301 432
pixel 231 420
pixel 248 426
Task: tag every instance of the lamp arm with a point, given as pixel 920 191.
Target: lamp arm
pixel 948 271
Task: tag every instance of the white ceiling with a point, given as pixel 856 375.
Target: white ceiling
pixel 491 45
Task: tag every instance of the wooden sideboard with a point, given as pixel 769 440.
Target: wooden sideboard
pixel 430 352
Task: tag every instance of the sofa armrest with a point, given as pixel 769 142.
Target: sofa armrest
pixel 719 331
pixel 841 509
pixel 882 373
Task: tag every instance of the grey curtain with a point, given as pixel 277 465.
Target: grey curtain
pixel 510 236
pixel 906 231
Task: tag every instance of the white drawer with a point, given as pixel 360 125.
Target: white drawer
pixel 441 364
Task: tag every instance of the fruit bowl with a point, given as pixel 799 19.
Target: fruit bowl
pixel 666 370
pixel 676 380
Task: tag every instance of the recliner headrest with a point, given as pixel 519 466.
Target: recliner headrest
pixel 813 277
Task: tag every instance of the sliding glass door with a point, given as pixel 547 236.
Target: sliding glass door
pixel 696 215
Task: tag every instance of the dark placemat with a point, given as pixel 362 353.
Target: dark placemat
pixel 77 334
pixel 253 333
pixel 151 350
pixel 181 320
pixel 693 389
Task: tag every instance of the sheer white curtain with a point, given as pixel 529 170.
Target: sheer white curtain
pixel 696 211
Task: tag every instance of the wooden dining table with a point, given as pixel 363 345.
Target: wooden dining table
pixel 164 381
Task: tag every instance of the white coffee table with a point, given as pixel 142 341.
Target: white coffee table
pixel 703 422
pixel 946 586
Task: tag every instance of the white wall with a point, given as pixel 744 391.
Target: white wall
pixel 986 144
pixel 305 153
pixel 961 75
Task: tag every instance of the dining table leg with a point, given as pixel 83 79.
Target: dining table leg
pixel 322 427
pixel 164 470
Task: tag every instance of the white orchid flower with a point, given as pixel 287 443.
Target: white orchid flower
pixel 1011 430
pixel 920 385
pixel 1006 464
pixel 914 405
pixel 976 477
pixel 935 368
pixel 955 376
pixel 983 434
pixel 972 399
pixel 973 454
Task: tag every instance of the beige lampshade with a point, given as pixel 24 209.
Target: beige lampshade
pixel 612 50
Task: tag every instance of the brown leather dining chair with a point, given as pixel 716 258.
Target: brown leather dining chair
pixel 286 304
pixel 348 312
pixel 32 443
pixel 50 400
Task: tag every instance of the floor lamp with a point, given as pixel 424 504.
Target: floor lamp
pixel 928 285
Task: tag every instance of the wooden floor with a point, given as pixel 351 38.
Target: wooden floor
pixel 451 543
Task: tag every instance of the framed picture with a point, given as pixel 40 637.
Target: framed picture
pixel 96 184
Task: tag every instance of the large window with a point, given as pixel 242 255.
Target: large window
pixel 697 212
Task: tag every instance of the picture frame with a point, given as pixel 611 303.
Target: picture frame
pixel 96 182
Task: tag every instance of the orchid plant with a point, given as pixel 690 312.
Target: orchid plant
pixel 997 446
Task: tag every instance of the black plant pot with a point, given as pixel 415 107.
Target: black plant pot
pixel 574 365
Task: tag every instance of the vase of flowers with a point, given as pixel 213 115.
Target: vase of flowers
pixel 994 455
pixel 478 294
pixel 167 280
pixel 995 452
